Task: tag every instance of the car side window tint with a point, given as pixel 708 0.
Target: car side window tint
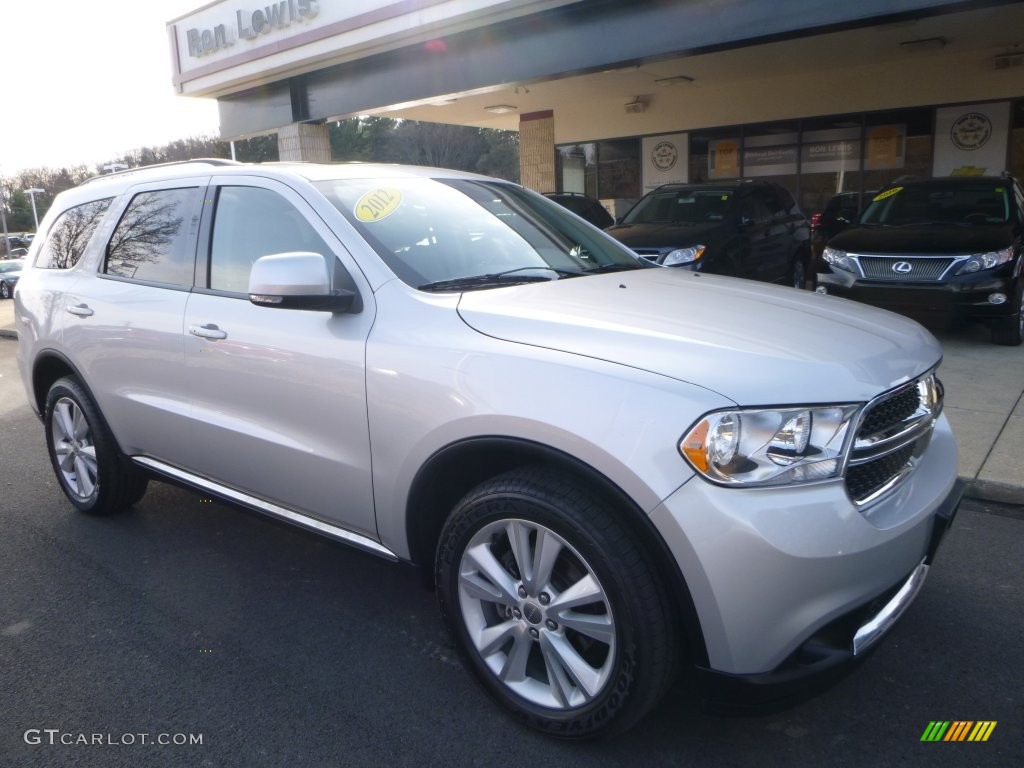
pixel 153 241
pixel 250 222
pixel 70 234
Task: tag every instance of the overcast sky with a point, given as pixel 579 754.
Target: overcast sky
pixel 86 81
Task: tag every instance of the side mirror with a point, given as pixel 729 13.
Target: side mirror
pixel 298 280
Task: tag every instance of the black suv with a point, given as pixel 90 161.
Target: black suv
pixel 585 207
pixel 749 229
pixel 941 251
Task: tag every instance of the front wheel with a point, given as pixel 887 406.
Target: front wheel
pixel 91 471
pixel 555 605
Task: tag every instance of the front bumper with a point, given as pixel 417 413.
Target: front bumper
pixel 965 297
pixel 784 579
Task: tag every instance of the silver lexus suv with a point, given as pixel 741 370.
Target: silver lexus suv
pixel 611 471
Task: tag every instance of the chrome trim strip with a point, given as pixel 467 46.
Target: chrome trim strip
pixel 864 451
pixel 882 622
pixel 339 534
pixel 891 483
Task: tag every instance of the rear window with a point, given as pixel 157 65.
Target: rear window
pixel 70 234
pixel 681 206
pixel 941 202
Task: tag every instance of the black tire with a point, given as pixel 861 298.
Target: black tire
pixel 5 291
pixel 91 471
pixel 1009 331
pixel 636 663
pixel 798 274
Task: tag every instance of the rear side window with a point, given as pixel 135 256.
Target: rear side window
pixel 70 234
pixel 153 241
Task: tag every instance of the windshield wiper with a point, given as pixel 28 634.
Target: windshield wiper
pixel 507 277
pixel 617 268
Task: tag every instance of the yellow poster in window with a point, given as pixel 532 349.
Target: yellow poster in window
pixel 885 147
pixel 723 159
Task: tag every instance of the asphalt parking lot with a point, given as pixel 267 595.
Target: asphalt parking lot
pixel 190 618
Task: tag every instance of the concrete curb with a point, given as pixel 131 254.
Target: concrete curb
pixel 993 490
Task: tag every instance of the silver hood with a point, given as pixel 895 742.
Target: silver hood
pixel 755 344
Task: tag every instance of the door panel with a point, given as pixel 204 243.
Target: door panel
pixel 278 396
pixel 125 321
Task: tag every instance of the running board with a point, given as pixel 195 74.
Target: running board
pixel 296 518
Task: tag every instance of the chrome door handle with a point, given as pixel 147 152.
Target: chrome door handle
pixel 208 331
pixel 82 310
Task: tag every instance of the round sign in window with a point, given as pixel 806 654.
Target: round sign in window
pixel 664 155
pixel 971 131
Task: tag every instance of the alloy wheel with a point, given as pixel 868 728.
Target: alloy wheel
pixel 74 448
pixel 537 614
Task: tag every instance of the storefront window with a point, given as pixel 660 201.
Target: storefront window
pixel 577 168
pixel 605 170
pixel 1016 159
pixel 897 144
pixel 830 156
pixel 771 152
pixel 618 170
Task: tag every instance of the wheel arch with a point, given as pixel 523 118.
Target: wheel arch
pixel 49 366
pixel 456 469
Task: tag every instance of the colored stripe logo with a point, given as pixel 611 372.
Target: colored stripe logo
pixel 958 730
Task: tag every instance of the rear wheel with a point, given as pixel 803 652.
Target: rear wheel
pixel 554 604
pixel 5 291
pixel 1009 331
pixel 91 471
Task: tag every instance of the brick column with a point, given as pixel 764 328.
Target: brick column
pixel 537 151
pixel 304 141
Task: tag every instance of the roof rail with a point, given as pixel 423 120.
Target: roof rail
pixel 215 161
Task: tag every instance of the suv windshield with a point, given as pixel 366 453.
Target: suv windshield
pixel 984 202
pixel 681 206
pixel 459 234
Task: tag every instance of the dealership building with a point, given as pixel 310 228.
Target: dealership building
pixel 612 98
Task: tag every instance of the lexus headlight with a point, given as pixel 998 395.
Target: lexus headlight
pixel 985 261
pixel 750 447
pixel 838 259
pixel 683 256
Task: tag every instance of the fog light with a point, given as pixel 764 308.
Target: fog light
pixel 821 289
pixel 997 298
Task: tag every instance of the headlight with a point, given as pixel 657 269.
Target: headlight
pixel 683 256
pixel 985 261
pixel 838 259
pixel 747 447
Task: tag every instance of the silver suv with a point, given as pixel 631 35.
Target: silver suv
pixel 610 470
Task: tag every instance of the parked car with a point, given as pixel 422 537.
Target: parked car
pixel 607 468
pixel 584 207
pixel 944 251
pixel 10 271
pixel 742 229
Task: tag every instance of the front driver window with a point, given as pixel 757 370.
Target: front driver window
pixel 251 222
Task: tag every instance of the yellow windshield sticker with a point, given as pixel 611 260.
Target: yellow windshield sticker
pixel 377 204
pixel 887 193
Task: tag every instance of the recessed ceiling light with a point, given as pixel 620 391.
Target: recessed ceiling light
pixel 501 109
pixel 924 44
pixel 674 80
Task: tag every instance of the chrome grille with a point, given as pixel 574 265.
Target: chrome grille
pixel 885 267
pixel 894 430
